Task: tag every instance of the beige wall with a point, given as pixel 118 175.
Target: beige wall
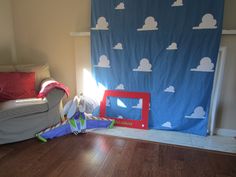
pixel 230 14
pixel 42 30
pixel 226 117
pixel 6 32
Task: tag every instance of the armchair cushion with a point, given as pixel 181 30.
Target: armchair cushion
pixel 7 68
pixel 41 72
pixel 22 107
pixel 14 85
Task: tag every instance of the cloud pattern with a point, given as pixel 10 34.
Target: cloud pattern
pixel 144 66
pixel 120 87
pixel 120 6
pixel 150 24
pixel 120 117
pixel 139 105
pixel 177 3
pixel 170 89
pixel 120 103
pixel 208 22
pixel 108 102
pixel 172 46
pixel 205 65
pixel 167 125
pixel 118 46
pixel 102 24
pixel 103 62
pixel 198 113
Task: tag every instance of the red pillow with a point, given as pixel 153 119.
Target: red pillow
pixel 16 85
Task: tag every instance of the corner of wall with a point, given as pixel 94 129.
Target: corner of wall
pixel 13 42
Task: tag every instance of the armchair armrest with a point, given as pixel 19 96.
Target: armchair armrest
pixel 54 95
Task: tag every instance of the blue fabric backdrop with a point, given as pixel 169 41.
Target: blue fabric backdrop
pixel 165 47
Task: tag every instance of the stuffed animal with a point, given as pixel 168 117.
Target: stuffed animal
pixel 78 118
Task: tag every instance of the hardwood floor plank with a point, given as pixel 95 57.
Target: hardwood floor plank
pixel 109 164
pixel 122 165
pixel 101 154
pixel 88 159
pixel 91 155
pixel 4 151
pixel 23 158
pixel 75 152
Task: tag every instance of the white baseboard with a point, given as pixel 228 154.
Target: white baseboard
pixel 226 132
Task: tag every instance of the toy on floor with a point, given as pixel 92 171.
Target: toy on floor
pixel 77 120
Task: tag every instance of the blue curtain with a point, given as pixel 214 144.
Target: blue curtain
pixel 168 48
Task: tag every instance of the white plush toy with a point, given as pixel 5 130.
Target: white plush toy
pixel 82 103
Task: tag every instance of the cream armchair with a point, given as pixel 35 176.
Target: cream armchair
pixel 22 119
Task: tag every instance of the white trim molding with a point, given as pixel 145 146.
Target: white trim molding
pixel 232 32
pixel 75 34
pixel 87 33
pixel 225 132
pixel 216 90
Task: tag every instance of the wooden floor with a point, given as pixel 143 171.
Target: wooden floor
pixel 92 155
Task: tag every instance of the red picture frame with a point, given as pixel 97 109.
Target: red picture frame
pixel 140 124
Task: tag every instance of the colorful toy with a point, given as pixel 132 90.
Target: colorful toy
pixel 76 121
pixel 126 122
